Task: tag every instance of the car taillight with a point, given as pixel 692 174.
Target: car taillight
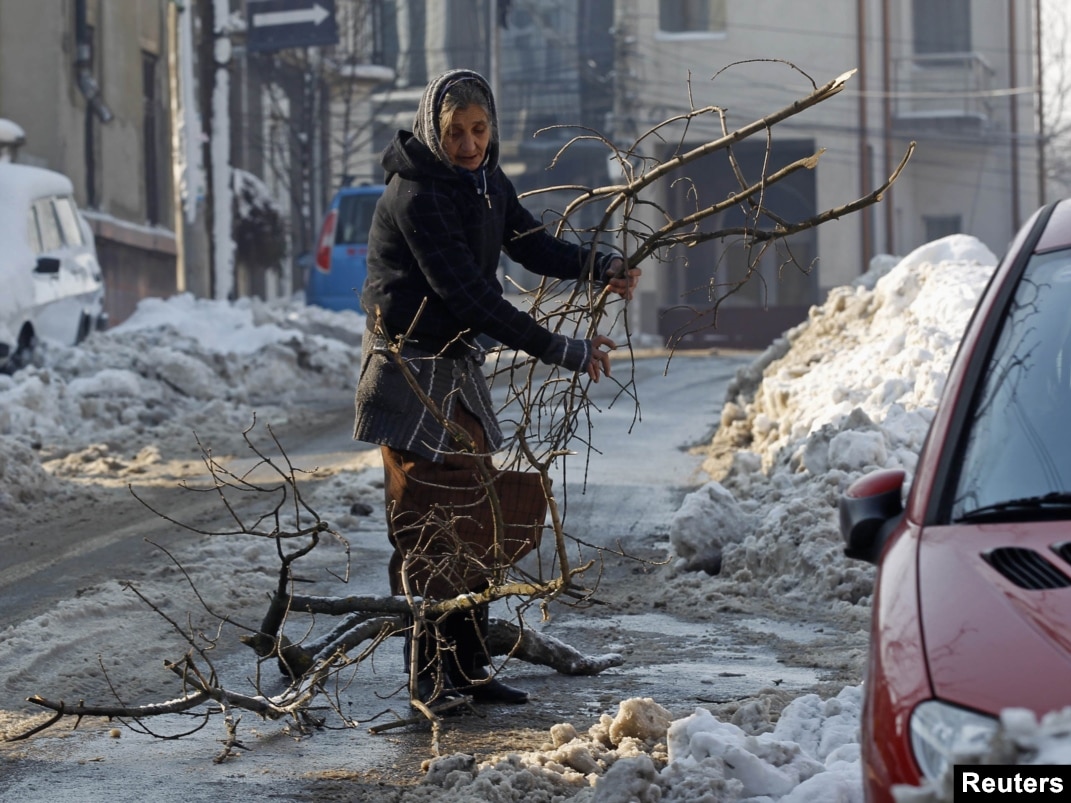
pixel 326 242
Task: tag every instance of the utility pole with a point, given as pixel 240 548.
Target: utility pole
pixel 1040 61
pixel 192 267
pixel 495 46
pixel 223 273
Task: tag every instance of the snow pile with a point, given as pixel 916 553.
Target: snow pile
pixel 176 367
pixel 850 390
pixel 641 754
pixel 25 481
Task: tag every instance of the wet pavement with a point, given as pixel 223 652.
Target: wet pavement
pixel 633 487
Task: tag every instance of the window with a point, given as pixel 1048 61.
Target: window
pixel 68 221
pixel 1017 441
pixel 938 226
pixel 47 225
pixel 32 231
pixel 941 26
pixel 691 16
pixel 354 219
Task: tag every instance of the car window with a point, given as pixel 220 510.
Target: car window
pixel 32 233
pixel 354 219
pixel 47 225
pixel 67 215
pixel 1018 442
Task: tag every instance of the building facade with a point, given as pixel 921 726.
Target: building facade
pixel 957 78
pixel 173 129
pixel 87 82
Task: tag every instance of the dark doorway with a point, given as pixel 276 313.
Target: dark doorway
pixel 717 289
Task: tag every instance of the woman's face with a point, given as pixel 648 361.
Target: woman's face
pixel 466 137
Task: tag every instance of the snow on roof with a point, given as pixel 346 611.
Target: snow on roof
pixel 374 73
pixel 11 133
pixel 22 184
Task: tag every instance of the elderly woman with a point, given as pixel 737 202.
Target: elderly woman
pixel 433 250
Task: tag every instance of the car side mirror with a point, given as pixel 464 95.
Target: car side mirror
pixel 47 265
pixel 869 510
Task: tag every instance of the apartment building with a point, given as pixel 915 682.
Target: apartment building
pixel 86 81
pixel 955 77
pixel 124 98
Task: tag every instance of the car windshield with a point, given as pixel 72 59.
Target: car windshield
pixel 354 219
pixel 1018 446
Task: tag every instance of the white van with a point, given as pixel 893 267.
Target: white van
pixel 51 287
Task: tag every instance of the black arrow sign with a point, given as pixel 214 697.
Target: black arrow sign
pixel 279 24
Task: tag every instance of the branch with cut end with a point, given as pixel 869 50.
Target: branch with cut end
pixel 619 195
pixel 530 646
pixel 336 606
pixel 787 229
pixel 81 710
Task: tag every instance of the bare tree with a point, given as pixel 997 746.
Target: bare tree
pixel 1055 93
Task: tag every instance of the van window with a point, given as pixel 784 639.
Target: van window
pixel 47 225
pixel 32 234
pixel 68 220
pixel 354 219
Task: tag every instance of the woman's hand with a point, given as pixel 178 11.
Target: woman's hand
pixel 600 360
pixel 619 281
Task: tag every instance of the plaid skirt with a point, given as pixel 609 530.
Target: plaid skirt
pixel 440 518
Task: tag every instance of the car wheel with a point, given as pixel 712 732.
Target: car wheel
pixel 85 326
pixel 23 355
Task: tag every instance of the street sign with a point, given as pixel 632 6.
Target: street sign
pixel 279 24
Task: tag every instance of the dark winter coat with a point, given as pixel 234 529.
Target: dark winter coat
pixel 435 242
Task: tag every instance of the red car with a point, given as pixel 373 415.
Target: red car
pixel 972 597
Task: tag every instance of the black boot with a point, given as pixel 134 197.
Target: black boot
pixel 431 686
pixel 468 669
pixel 485 688
pixel 435 690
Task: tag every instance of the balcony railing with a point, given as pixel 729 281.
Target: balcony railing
pixel 945 88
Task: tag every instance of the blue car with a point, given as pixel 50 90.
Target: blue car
pixel 338 271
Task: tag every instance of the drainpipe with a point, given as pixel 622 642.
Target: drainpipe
pixel 95 104
pixel 83 51
pixel 890 241
pixel 864 143
pixel 1013 83
pixel 1041 102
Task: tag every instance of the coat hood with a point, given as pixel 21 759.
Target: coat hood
pixel 426 123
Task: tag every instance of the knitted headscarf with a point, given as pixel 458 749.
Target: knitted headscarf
pixel 426 124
